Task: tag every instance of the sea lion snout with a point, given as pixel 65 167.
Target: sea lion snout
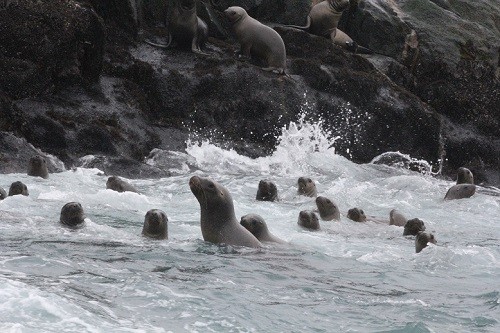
pixel 195 182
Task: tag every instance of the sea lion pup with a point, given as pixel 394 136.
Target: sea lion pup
pixel 422 239
pixel 397 218
pixel 267 191
pixel 306 187
pixel 218 221
pixel 72 214
pixel 155 224
pixel 119 185
pixel 464 188
pixel 185 27
pixel 258 41
pixel 18 188
pixel 37 167
pixel 413 227
pixel 3 194
pixel 356 214
pixel 308 219
pixel 328 210
pixel 258 227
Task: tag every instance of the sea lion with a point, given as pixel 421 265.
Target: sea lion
pixel 422 239
pixel 323 20
pixel 306 187
pixel 258 41
pixel 464 176
pixel 18 188
pixel 267 191
pixel 119 185
pixel 155 224
pixel 258 227
pixel 72 214
pixel 356 214
pixel 464 188
pixel 218 221
pixel 413 227
pixel 328 210
pixel 397 218
pixel 37 167
pixel 185 27
pixel 308 219
pixel 3 194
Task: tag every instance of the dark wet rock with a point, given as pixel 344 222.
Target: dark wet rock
pixel 125 167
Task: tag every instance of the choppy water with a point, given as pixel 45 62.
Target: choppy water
pixel 348 277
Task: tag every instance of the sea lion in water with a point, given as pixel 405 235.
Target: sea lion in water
pixel 306 187
pixel 267 191
pixel 308 219
pixel 328 210
pixel 72 214
pixel 185 27
pixel 356 214
pixel 218 221
pixel 413 227
pixel 257 40
pixel 422 239
pixel 258 227
pixel 323 20
pixel 155 224
pixel 18 188
pixel 464 188
pixel 397 218
pixel 37 167
pixel 3 194
pixel 119 185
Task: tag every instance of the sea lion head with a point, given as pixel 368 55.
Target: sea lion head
pixel 356 214
pixel 254 223
pixel 422 239
pixel 72 214
pixel 38 167
pixel 155 224
pixel 308 220
pixel 464 176
pixel 267 191
pixel 115 183
pixel 211 195
pixel 235 14
pixel 306 186
pixel 328 210
pixel 413 227
pixel 18 188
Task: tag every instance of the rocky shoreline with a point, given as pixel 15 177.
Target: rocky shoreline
pixel 77 80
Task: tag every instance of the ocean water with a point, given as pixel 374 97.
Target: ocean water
pixel 347 277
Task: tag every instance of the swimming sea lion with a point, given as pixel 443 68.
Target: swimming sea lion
pixel 460 191
pixel 155 224
pixel 119 185
pixel 464 176
pixel 257 40
pixel 267 191
pixel 308 219
pixel 258 227
pixel 356 214
pixel 218 221
pixel 422 239
pixel 397 218
pixel 72 214
pixel 3 194
pixel 328 210
pixel 413 227
pixel 18 188
pixel 306 187
pixel 38 167
pixel 185 27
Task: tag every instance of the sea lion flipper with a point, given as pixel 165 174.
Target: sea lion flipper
pixel 162 46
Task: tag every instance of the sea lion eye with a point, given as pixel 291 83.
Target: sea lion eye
pixel 309 180
pixel 362 212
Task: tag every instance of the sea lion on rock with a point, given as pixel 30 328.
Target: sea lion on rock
pixel 37 167
pixel 258 227
pixel 422 239
pixel 464 188
pixel 17 188
pixel 413 227
pixel 185 27
pixel 267 191
pixel 328 210
pixel 3 194
pixel 308 219
pixel 397 218
pixel 155 224
pixel 72 214
pixel 218 221
pixel 306 187
pixel 356 214
pixel 258 41
pixel 119 185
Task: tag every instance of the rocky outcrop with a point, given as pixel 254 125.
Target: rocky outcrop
pixel 431 90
